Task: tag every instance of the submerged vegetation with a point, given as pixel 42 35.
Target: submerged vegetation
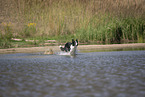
pixel 91 21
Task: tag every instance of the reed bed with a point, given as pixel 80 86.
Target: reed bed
pixel 91 21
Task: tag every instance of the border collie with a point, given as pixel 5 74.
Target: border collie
pixel 70 47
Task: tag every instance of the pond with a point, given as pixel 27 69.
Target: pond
pixel 91 74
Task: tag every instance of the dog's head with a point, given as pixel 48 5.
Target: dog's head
pixel 74 43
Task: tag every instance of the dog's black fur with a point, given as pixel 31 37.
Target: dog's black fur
pixel 68 44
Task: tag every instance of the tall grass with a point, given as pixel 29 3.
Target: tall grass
pixel 97 21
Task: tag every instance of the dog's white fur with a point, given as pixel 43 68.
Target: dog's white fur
pixel 73 50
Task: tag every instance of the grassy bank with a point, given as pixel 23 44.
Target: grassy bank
pixel 91 21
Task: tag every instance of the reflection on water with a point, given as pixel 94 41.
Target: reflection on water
pixel 95 74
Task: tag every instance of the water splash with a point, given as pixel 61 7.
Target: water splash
pixel 63 53
pixel 72 52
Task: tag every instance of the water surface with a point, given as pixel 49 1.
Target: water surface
pixel 93 74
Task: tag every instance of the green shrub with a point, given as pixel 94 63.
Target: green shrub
pixel 6 36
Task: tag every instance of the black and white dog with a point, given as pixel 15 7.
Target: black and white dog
pixel 70 47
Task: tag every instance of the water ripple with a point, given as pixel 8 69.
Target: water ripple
pixel 96 74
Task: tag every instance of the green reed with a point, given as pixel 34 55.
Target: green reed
pixel 113 30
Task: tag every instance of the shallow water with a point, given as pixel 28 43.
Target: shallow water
pixel 93 74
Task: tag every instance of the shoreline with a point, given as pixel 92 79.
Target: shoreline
pixel 107 47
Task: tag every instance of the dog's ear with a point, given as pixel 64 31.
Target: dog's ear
pixel 73 42
pixel 77 41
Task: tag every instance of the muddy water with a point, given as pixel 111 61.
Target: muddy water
pixel 92 74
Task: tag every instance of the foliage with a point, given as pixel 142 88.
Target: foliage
pixel 96 21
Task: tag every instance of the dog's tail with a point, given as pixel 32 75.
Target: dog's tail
pixel 62 49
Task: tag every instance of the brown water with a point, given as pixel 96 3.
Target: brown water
pixel 93 74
